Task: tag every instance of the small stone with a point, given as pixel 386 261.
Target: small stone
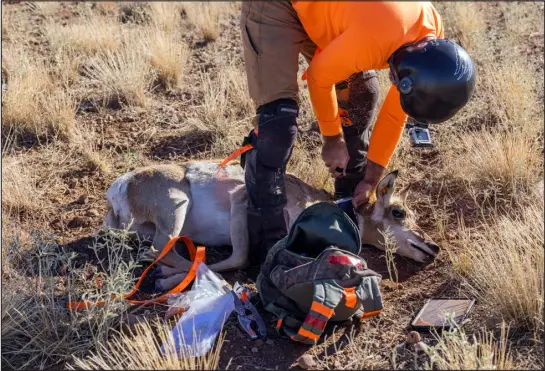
pixel 306 362
pixel 270 342
pixel 83 200
pixel 255 350
pixel 93 213
pixel 413 337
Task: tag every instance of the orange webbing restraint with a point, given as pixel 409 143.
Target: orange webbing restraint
pixel 245 148
pixel 197 256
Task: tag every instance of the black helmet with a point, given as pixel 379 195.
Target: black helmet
pixel 435 78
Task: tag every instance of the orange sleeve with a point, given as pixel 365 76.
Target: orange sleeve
pixel 388 129
pixel 337 62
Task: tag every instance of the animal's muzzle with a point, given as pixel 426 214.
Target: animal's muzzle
pixel 431 249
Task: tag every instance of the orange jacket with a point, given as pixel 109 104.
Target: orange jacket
pixel 360 36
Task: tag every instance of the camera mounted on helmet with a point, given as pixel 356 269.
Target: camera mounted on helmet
pixel 435 79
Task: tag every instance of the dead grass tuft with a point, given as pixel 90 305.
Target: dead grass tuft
pixel 505 162
pixel 458 351
pixel 513 88
pixel 122 76
pixel 169 55
pixel 42 333
pixel 166 15
pixel 503 264
pixel 468 23
pixel 19 189
pixel 141 350
pixel 33 103
pixel 86 36
pixel 206 17
pixel 225 100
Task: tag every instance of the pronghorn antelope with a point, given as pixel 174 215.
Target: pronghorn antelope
pixel 163 201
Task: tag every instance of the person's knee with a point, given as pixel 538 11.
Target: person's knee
pixel 277 132
pixel 366 86
pixel 362 101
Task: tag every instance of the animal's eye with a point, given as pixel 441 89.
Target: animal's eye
pixel 398 214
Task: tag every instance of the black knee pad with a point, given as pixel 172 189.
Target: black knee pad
pixel 265 164
pixel 276 136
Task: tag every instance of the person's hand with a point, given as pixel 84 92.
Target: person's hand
pixel 364 189
pixel 335 155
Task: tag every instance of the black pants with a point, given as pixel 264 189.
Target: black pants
pixel 265 165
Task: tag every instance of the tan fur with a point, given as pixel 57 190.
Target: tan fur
pixel 167 200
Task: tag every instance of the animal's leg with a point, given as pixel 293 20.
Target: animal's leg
pixel 169 226
pixel 145 231
pixel 169 282
pixel 239 236
pixel 112 219
pixel 175 271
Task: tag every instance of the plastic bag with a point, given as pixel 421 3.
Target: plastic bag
pixel 207 306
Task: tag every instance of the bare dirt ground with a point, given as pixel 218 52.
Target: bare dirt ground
pixel 55 172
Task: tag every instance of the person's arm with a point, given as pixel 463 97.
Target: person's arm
pixel 388 129
pixel 344 56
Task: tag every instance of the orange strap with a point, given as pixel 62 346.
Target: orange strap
pixel 197 256
pixel 322 309
pixel 371 314
pixel 308 334
pixel 235 154
pixel 350 297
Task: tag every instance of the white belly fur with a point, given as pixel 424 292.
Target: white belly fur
pixel 208 220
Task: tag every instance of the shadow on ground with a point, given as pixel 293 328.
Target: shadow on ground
pixel 185 145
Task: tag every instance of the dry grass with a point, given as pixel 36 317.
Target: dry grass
pixel 468 22
pixel 360 356
pixel 41 332
pixel 125 54
pixel 225 101
pixel 85 36
pixel 308 167
pixel 147 347
pixel 503 264
pixel 122 76
pixel 166 15
pixel 506 162
pixel 513 87
pixel 390 250
pixel 169 55
pixel 33 103
pixel 457 350
pixel 19 189
pixel 205 17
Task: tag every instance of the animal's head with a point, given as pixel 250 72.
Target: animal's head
pixel 387 214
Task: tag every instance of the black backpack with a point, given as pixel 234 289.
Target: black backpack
pixel 314 275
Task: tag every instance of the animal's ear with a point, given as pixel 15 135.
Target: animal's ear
pixel 405 192
pixel 385 187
